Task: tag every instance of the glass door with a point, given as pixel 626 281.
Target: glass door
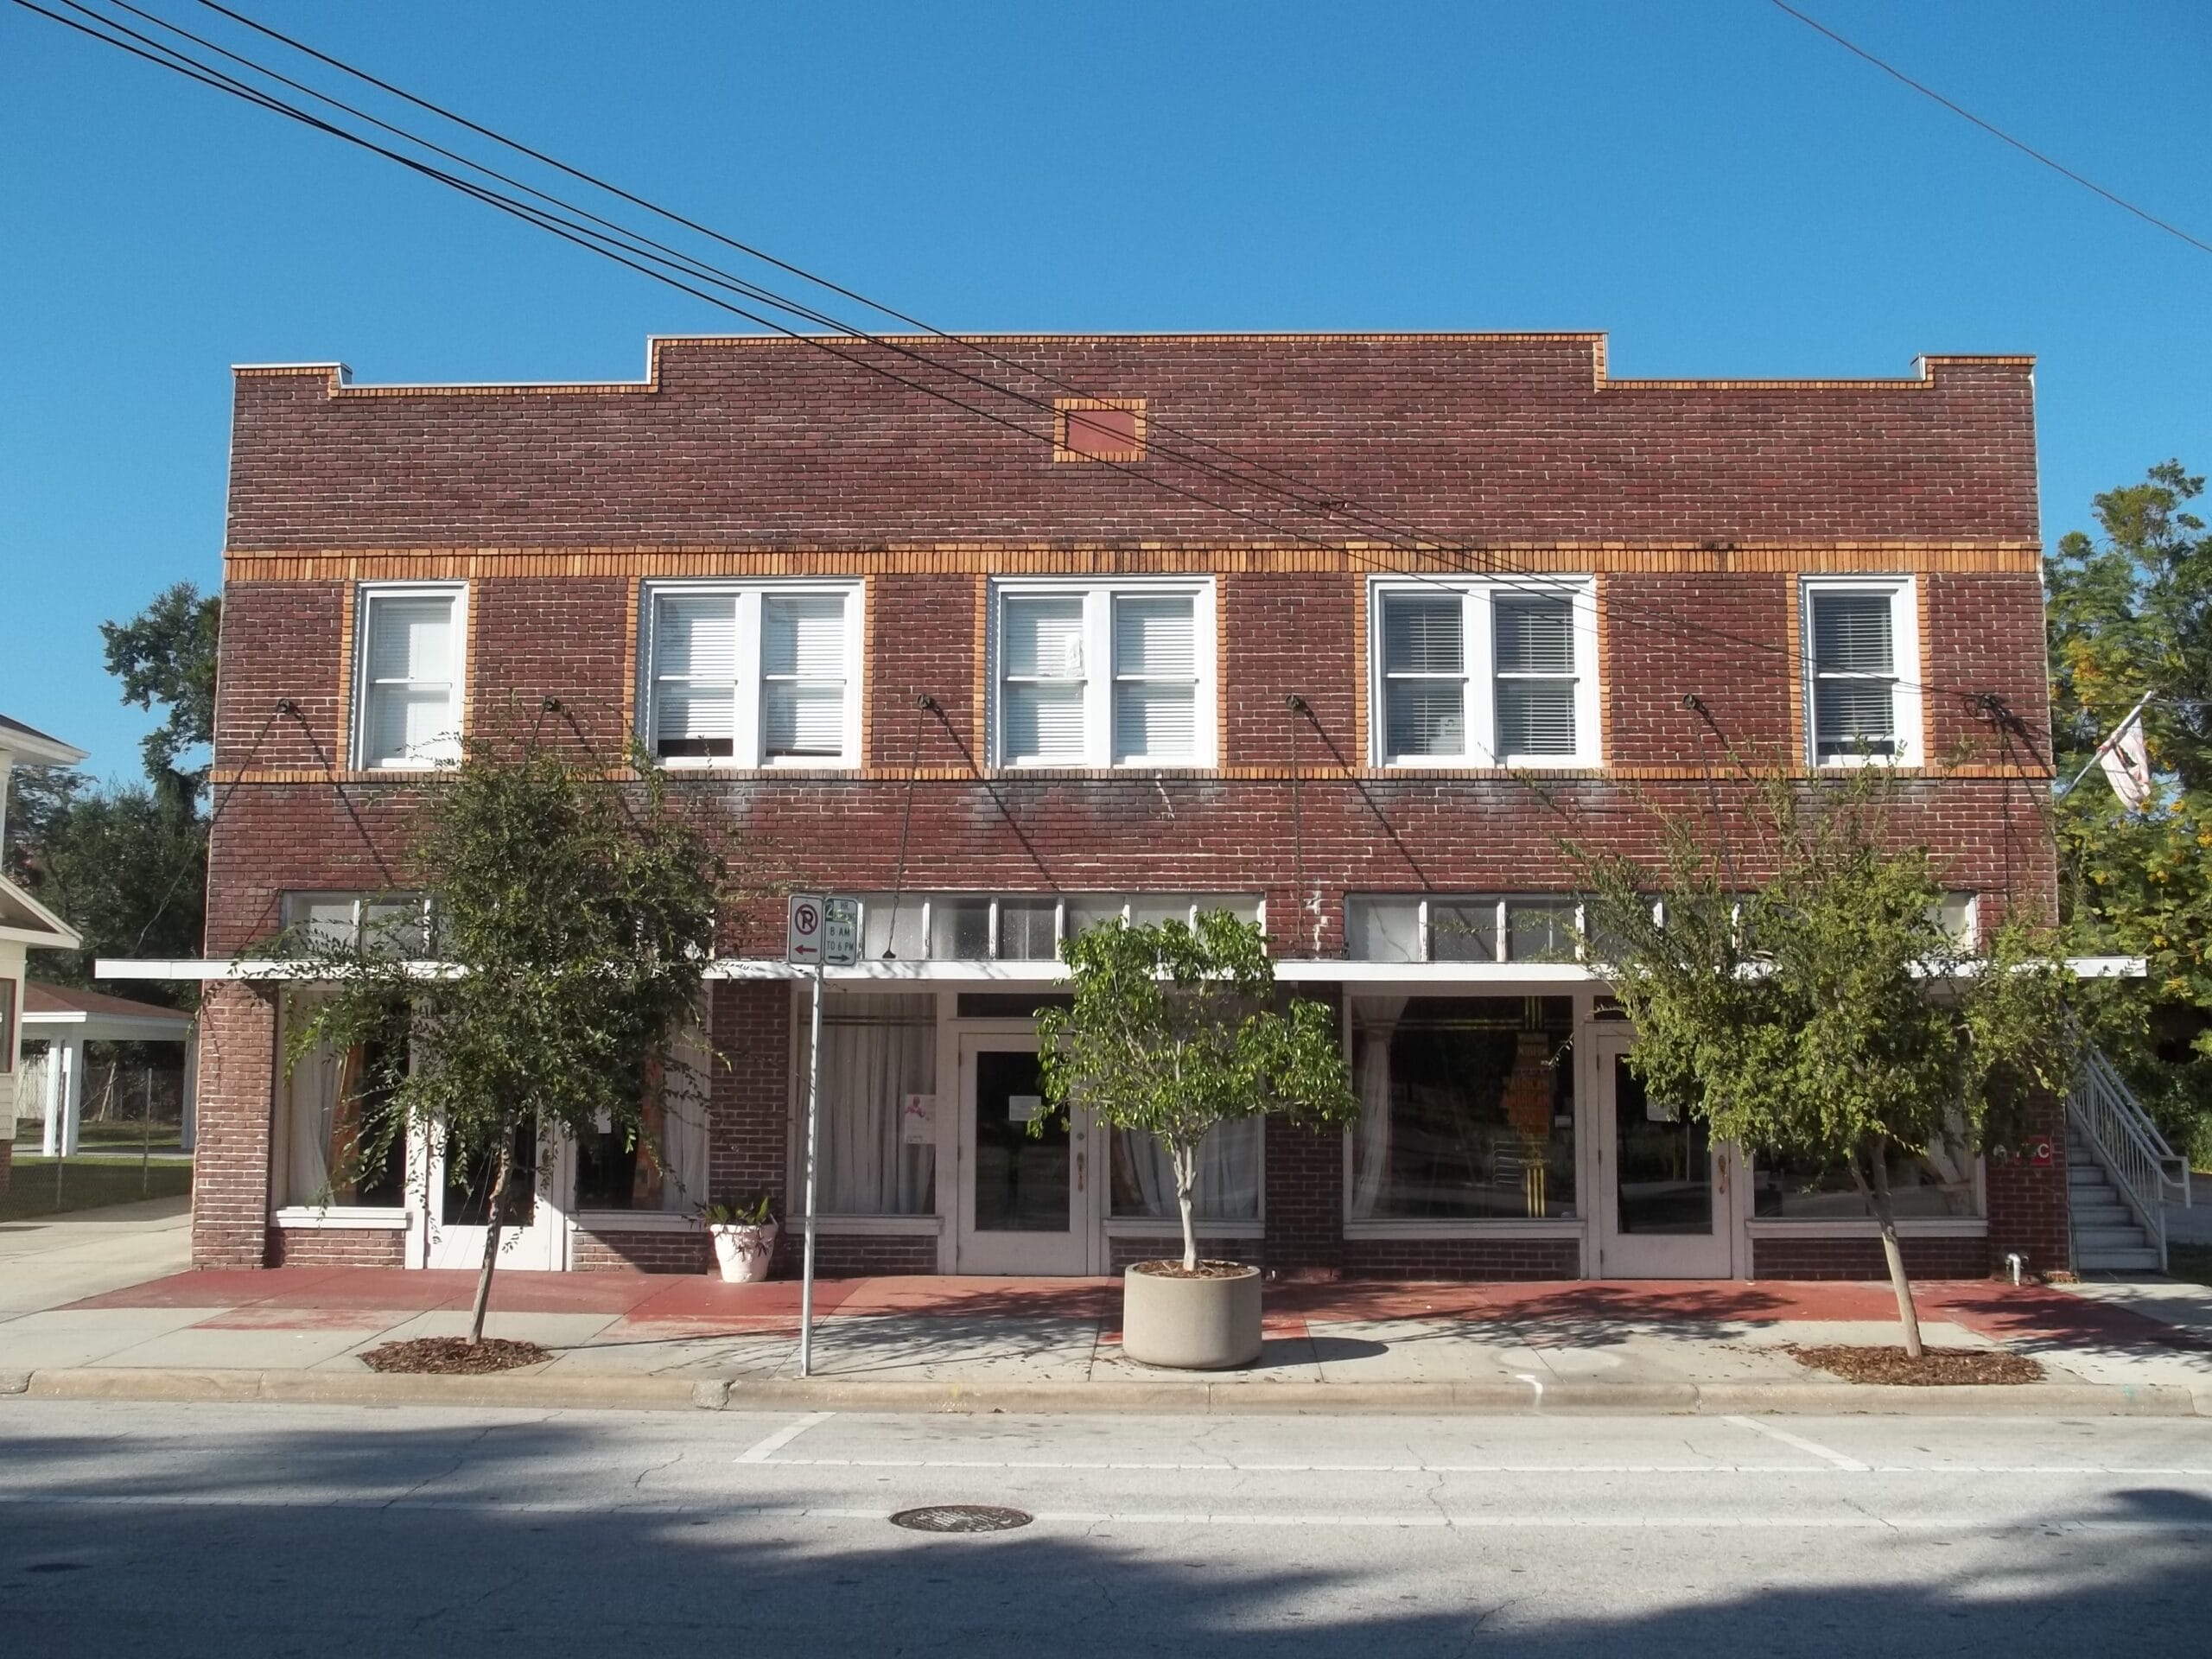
pixel 1664 1208
pixel 450 1198
pixel 1025 1206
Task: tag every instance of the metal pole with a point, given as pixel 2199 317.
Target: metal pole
pixel 813 1127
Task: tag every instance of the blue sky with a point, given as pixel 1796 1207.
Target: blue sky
pixel 1722 191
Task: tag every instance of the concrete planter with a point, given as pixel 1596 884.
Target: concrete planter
pixel 1196 1325
pixel 742 1253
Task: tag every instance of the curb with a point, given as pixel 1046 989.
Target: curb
pixel 603 1393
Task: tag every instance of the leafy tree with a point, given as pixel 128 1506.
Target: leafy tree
pixel 166 655
pixel 2131 614
pixel 573 921
pixel 1824 1013
pixel 1173 1031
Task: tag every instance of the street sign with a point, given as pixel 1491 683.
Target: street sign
pixel 802 930
pixel 841 931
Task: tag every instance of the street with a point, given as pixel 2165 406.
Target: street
pixel 155 1529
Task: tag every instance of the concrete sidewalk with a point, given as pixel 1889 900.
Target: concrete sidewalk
pixel 636 1339
pixel 51 1260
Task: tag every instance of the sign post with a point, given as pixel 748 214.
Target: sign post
pixel 819 931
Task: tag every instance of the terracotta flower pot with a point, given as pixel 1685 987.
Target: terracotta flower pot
pixel 1209 1323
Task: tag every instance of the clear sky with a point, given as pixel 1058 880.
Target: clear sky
pixel 1721 190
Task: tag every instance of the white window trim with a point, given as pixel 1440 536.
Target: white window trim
pixel 745 728
pixel 1902 593
pixel 1479 715
pixel 366 594
pixel 1098 596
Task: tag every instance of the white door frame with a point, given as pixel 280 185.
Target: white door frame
pixel 1077 1253
pixel 1723 1254
pixel 541 1247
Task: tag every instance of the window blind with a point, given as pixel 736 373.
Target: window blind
pixel 694 670
pixel 411 715
pixel 1042 709
pixel 1854 698
pixel 1534 648
pixel 1423 667
pixel 803 673
pixel 1155 689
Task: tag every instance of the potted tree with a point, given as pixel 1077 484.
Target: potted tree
pixel 1172 1031
pixel 744 1237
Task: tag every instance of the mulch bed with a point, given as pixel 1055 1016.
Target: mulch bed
pixel 1936 1368
pixel 1172 1269
pixel 452 1356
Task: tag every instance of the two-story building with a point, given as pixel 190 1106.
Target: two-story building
pixel 1351 633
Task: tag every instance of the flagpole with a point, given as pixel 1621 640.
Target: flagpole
pixel 2098 755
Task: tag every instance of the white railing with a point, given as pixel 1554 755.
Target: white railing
pixel 2128 1145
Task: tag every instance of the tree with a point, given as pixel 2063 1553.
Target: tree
pixel 1824 1013
pixel 1173 1031
pixel 2131 616
pixel 573 921
pixel 166 655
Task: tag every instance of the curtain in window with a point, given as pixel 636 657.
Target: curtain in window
pixel 875 1051
pixel 1228 1174
pixel 323 1125
pixel 1378 1019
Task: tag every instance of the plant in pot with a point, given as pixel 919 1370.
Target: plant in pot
pixel 744 1235
pixel 1172 1032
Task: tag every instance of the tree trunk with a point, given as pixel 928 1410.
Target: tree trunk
pixel 494 1211
pixel 1885 1217
pixel 1186 1160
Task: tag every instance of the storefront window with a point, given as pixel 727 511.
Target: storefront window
pixel 1936 1183
pixel 338 1150
pixel 1467 1109
pixel 1228 1174
pixel 663 1164
pixel 879 1082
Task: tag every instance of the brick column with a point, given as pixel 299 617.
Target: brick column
pixel 1304 1185
pixel 2027 1206
pixel 749 1099
pixel 7 1160
pixel 238 1091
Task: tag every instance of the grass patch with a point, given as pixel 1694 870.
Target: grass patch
pixel 123 1135
pixel 86 1183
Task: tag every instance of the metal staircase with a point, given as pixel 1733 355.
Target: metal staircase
pixel 2120 1174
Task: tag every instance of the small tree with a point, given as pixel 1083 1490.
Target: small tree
pixel 1825 1012
pixel 1174 1031
pixel 572 923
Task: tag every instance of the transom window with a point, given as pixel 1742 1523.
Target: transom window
pixel 1016 927
pixel 1861 671
pixel 752 674
pixel 383 923
pixel 408 676
pixel 1485 674
pixel 1104 675
pixel 1439 927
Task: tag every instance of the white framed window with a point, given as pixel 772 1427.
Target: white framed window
pixel 1861 670
pixel 1454 927
pixel 1020 927
pixel 751 674
pixel 1102 674
pixel 408 671
pixel 1483 673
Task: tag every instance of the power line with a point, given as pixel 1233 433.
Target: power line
pixel 641 253
pixel 1994 130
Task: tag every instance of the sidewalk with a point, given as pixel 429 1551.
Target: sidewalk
pixel 50 1260
pixel 642 1339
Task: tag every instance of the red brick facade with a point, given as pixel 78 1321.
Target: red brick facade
pixel 1696 507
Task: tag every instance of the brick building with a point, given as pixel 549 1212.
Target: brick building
pixel 1000 671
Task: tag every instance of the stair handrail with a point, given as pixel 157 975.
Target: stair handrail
pixel 2108 1116
pixel 2172 1166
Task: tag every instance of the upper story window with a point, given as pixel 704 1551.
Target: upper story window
pixel 1104 674
pixel 1485 674
pixel 757 674
pixel 408 676
pixel 385 924
pixel 1862 671
pixel 1019 927
pixel 1441 927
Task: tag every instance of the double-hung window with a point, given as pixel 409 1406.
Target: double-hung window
pixel 1861 654
pixel 1114 674
pixel 757 674
pixel 408 676
pixel 1485 674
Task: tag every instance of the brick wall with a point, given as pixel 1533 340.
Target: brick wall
pixel 749 1097
pixel 1862 1258
pixel 7 1163
pixel 333 1247
pixel 2027 1206
pixel 1462 1258
pixel 238 1077
pixel 608 1250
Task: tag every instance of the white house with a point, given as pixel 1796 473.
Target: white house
pixel 25 924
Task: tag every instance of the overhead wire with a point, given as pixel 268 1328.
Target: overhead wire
pixel 637 252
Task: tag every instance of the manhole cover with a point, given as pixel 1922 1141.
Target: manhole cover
pixel 962 1517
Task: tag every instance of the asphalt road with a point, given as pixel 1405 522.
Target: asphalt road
pixel 139 1529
